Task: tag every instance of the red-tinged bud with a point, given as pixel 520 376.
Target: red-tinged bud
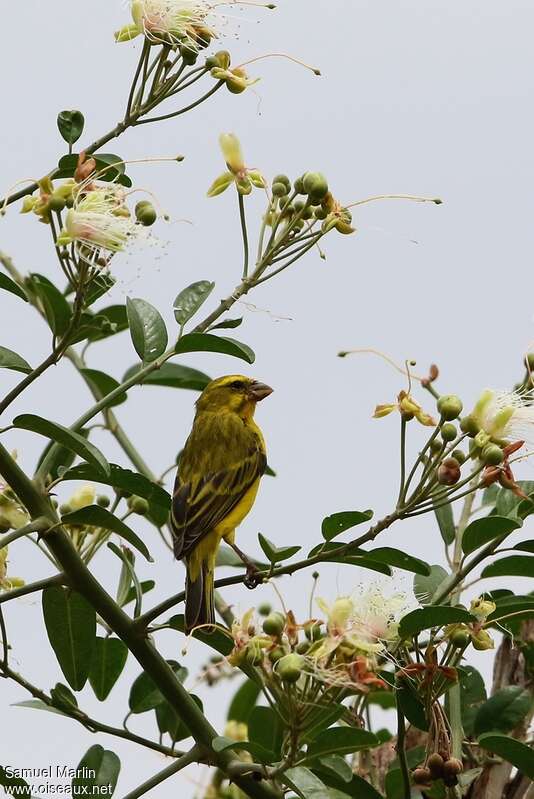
pixel 422 776
pixel 435 765
pixel 452 767
pixel 449 472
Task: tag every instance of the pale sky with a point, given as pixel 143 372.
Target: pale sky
pixel 430 98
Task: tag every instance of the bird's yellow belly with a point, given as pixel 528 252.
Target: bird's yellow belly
pixel 206 550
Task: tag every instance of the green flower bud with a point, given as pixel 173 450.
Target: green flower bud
pixel 450 407
pixel 276 654
pixel 279 189
pixel 448 432
pixel 103 500
pixel 283 179
pixel 264 609
pixel 469 425
pixel 289 668
pixel 254 654
pixel 303 647
pixel 298 185
pixel 315 184
pixel 145 213
pixel 435 445
pixel 459 455
pixel 138 505
pixel 460 639
pixel 320 213
pixel 312 631
pixel 56 203
pixel 27 205
pixel 189 55
pixel 492 455
pixel 274 624
pixel 65 508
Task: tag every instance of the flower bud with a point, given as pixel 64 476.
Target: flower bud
pixel 254 653
pixel 449 472
pixel 298 185
pixel 279 189
pixel 103 500
pixel 482 608
pixel 492 455
pixel 145 213
pixel 65 508
pixel 303 647
pixel 460 639
pixel 276 654
pixel 289 668
pixel 481 439
pixel 220 60
pixel 421 776
pixel 459 455
pixel 264 609
pixel 138 505
pixel 320 213
pixel 82 497
pixel 315 184
pixel 312 630
pixel 28 204
pixel 283 179
pixel 274 624
pixel 469 425
pixel 435 765
pixel 448 432
pixel 56 203
pixel 450 407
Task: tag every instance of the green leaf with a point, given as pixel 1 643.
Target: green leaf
pixel 146 586
pixel 147 329
pixel 507 503
pixel 104 384
pixel 95 516
pixel 9 285
pixel 265 729
pixel 338 765
pixel 357 557
pixel 401 560
pixel 145 694
pixel 341 741
pixel 98 286
pixel 169 721
pixel 425 588
pixel 306 784
pixel 10 360
pixel 525 546
pixel 109 167
pixel 109 659
pixel 518 754
pixel 62 435
pixel 130 482
pixel 63 697
pixel 221 743
pixel 357 787
pixel 38 704
pixel 473 694
pixel 71 626
pixel 98 769
pixel 127 557
pixel 432 616
pixel 112 320
pixel 227 557
pixel 221 642
pixel 503 711
pixel 244 701
pixel 70 125
pixel 56 308
pixel 482 531
pixel 410 703
pixel 513 566
pixel 190 299
pixel 384 699
pixel 276 554
pixel 227 324
pixel 445 519
pixel 204 342
pixel 320 719
pixel 63 457
pixel 518 608
pixel 172 375
pixel 339 522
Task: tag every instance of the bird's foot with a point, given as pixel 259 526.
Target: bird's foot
pixel 252 577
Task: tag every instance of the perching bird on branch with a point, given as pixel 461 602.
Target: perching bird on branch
pixel 216 485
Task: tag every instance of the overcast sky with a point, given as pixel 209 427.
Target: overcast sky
pixel 430 98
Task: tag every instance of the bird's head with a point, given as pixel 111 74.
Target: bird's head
pixel 234 393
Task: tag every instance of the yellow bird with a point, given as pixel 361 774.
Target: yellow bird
pixel 217 481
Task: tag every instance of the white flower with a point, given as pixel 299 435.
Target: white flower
pixel 99 223
pixel 12 515
pixel 185 22
pixel 505 415
pixel 376 616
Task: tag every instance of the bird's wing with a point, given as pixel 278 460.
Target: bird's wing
pixel 199 506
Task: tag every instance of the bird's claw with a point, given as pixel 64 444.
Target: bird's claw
pixel 252 577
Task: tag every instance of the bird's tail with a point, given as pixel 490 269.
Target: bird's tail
pixel 199 606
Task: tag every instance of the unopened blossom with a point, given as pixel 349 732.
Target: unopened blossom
pixel 238 173
pixel 236 79
pixel 7 583
pixel 189 23
pixel 482 608
pixel 504 415
pixel 99 223
pixel 407 407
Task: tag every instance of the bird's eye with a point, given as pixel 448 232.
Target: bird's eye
pixel 237 384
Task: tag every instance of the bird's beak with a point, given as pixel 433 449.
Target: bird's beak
pixel 258 391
